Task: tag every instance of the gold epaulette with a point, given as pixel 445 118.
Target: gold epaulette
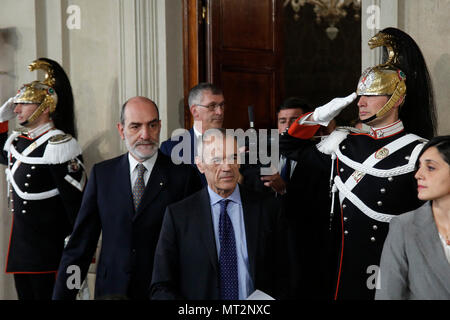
pixel 60 138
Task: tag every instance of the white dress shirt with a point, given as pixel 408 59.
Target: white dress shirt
pixel 446 247
pixel 148 164
pixel 197 140
pixel 283 162
pixel 197 133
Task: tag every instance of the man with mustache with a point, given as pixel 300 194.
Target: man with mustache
pixel 207 106
pixel 223 242
pixel 125 199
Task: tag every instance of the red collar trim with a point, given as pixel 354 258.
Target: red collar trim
pixel 28 138
pixel 384 132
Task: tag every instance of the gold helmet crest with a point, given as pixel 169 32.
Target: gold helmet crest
pixel 36 92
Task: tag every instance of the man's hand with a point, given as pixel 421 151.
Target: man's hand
pixel 7 110
pixel 324 114
pixel 275 182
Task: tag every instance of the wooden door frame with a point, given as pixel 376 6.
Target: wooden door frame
pixel 193 54
pixel 197 50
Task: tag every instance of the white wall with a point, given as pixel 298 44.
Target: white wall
pixel 18 17
pixel 93 64
pixel 428 23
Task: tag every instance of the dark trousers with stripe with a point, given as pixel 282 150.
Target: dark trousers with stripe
pixel 35 286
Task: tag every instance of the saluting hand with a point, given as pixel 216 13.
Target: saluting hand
pixel 324 114
pixel 7 110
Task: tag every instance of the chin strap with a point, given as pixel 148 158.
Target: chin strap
pixel 398 93
pixel 47 103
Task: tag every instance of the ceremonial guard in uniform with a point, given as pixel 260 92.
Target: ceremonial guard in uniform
pixel 361 179
pixel 45 178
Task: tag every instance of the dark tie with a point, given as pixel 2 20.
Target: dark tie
pixel 286 171
pixel 228 268
pixel 139 186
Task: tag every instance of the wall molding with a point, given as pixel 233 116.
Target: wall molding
pixel 388 17
pixel 144 27
pixel 139 43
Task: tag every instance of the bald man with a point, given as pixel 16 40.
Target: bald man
pixel 125 199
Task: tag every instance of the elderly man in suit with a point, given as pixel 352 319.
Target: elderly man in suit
pixel 125 199
pixel 224 241
pixel 207 106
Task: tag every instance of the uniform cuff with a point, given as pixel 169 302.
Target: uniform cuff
pixel 3 127
pixel 303 131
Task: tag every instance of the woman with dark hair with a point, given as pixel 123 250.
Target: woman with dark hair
pixel 415 263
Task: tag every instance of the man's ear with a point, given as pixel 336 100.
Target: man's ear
pixel 200 164
pixel 193 110
pixel 120 129
pixel 400 102
pixel 46 113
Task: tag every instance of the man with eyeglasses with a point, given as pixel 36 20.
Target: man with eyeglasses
pixel 223 242
pixel 207 106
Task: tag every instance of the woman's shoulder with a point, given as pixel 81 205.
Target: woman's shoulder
pixel 411 217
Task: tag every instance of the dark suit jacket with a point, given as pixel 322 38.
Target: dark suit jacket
pixel 168 145
pixel 186 261
pixel 128 238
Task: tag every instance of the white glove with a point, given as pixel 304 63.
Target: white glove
pixel 7 110
pixel 324 114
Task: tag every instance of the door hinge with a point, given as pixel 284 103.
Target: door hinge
pixel 204 11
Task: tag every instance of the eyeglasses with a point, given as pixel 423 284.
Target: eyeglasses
pixel 213 106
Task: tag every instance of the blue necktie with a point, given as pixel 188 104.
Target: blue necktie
pixel 228 268
pixel 286 171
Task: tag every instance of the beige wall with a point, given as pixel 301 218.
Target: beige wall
pixel 99 59
pixel 428 23
pixel 16 16
pixel 93 64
